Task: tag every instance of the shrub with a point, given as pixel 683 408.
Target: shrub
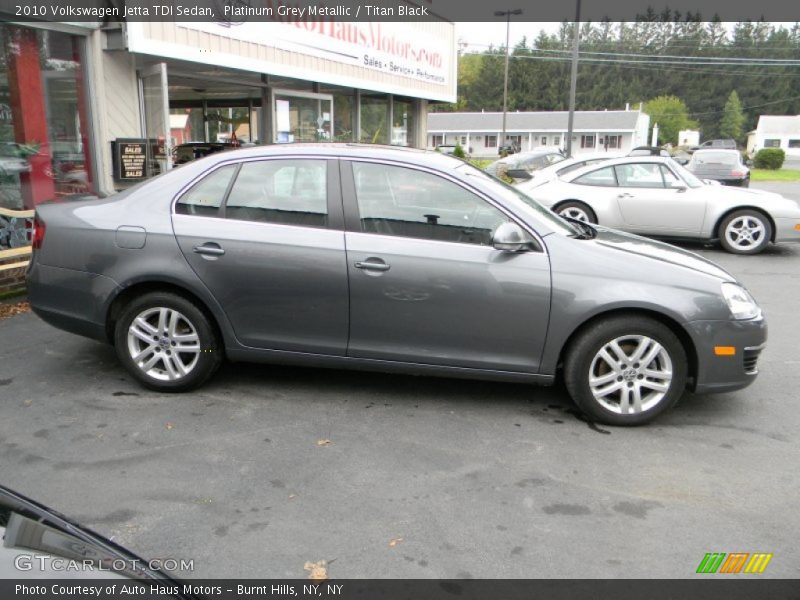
pixel 458 152
pixel 769 158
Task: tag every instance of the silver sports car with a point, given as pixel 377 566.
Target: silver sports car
pixel 656 196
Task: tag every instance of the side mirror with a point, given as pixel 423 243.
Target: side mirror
pixel 678 186
pixel 509 237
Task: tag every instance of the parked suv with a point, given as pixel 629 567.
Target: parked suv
pixel 725 143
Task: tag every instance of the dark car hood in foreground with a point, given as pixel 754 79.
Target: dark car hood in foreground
pixel 660 251
pixel 29 528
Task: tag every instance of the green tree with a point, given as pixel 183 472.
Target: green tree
pixel 732 118
pixel 671 114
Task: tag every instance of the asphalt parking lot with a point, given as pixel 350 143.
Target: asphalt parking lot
pixel 268 468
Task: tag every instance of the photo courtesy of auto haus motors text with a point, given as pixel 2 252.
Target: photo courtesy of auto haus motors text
pixel 153 590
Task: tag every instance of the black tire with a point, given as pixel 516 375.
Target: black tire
pixel 582 361
pixel 200 359
pixel 577 205
pixel 738 245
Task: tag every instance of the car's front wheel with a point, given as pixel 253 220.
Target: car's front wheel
pixel 625 370
pixel 745 232
pixel 167 342
pixel 577 210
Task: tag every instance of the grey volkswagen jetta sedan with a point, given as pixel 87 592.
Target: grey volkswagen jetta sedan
pixel 387 259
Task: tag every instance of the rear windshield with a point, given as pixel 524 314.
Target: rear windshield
pixel 715 158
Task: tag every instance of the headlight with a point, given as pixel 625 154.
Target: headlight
pixel 740 301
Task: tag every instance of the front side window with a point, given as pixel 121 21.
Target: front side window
pixel 639 175
pixel 205 197
pixel 286 192
pixel 405 202
pixel 601 177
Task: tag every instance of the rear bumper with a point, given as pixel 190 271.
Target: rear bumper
pixel 71 300
pixel 785 229
pixel 727 372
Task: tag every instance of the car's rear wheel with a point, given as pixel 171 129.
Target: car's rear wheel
pixel 167 342
pixel 745 232
pixel 577 210
pixel 625 370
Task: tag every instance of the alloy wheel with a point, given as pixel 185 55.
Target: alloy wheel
pixel 630 374
pixel 745 232
pixel 163 343
pixel 573 212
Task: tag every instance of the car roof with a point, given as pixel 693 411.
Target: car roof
pixel 340 150
pixel 617 161
pixel 716 151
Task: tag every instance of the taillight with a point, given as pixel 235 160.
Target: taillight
pixel 37 236
pixel 736 173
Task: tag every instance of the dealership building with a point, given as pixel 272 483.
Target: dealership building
pixel 93 108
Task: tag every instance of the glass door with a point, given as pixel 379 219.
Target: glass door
pixel 154 94
pixel 302 117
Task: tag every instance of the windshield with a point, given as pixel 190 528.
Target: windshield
pixel 719 158
pixel 506 192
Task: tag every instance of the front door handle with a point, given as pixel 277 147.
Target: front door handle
pixel 209 249
pixel 373 264
pixel 625 195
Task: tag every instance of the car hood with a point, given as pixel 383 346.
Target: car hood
pixel 659 251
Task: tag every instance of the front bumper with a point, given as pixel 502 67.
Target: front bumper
pixel 786 229
pixel 720 370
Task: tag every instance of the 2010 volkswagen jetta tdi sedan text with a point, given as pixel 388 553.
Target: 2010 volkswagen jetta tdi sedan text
pixel 387 259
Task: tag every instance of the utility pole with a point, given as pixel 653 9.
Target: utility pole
pixel 573 83
pixel 507 14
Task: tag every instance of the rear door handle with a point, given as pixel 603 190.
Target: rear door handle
pixel 372 265
pixel 209 249
pixel 625 195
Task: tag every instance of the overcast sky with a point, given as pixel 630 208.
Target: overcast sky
pixel 479 36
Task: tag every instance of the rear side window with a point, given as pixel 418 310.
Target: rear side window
pixel 205 197
pixel 603 177
pixel 286 192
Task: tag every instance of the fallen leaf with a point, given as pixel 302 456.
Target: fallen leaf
pixel 324 442
pixel 27 402
pixel 10 310
pixel 292 496
pixel 170 426
pixel 394 541
pixel 317 571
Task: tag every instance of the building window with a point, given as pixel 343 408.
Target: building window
pixel 556 140
pixel 613 141
pixel 491 141
pixel 374 114
pixel 794 143
pixel 48 154
pixel 772 143
pixel 543 141
pixel 587 141
pixel 437 140
pixel 463 140
pixel 403 122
